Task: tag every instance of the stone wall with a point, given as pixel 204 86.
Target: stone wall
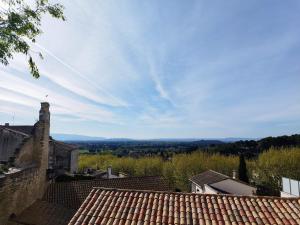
pixel 24 156
pixel 63 157
pixel 74 161
pixel 9 142
pixel 19 190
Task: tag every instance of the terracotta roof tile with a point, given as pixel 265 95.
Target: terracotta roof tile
pixel 129 207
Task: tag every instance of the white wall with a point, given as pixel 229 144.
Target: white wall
pixel 209 190
pixel 196 188
pixel 287 195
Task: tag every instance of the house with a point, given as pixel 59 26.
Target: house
pixel 15 140
pixel 61 200
pixel 129 207
pixel 290 188
pixel 63 157
pixel 212 182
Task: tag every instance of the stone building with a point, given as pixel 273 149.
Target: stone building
pixel 14 140
pixel 29 154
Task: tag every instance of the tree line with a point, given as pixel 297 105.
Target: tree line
pixel 164 148
pixel 265 171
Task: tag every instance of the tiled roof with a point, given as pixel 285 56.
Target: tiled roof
pixel 44 213
pixel 208 177
pixel 63 144
pixel 72 194
pixel 128 207
pixel 23 129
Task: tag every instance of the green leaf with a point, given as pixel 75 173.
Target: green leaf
pixel 21 24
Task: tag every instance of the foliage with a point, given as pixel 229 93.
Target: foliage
pixel 274 164
pixel 20 24
pixel 145 148
pixel 265 171
pixel 3 168
pixel 251 149
pixel 243 176
pixel 68 178
pixel 166 149
pixel 178 170
pixel 281 141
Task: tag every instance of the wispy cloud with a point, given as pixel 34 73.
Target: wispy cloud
pixel 172 69
pixel 113 100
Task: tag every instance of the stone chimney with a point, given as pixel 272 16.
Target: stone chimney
pixel 44 112
pixel 41 136
pixel 6 124
pixel 234 174
pixel 41 146
pixel 109 172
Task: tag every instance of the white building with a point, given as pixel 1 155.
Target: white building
pixel 290 188
pixel 212 182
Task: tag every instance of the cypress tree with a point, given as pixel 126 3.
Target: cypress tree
pixel 243 170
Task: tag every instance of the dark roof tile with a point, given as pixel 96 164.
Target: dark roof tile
pixel 208 177
pixel 44 213
pixel 72 194
pixel 23 129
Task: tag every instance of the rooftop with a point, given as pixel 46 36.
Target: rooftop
pixel 208 177
pixel 44 213
pixel 23 129
pixel 72 194
pixel 112 206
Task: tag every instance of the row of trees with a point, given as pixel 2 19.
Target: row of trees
pixel 177 171
pixel 265 171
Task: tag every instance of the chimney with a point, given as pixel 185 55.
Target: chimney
pixel 6 124
pixel 233 174
pixel 44 112
pixel 121 175
pixel 41 137
pixel 109 172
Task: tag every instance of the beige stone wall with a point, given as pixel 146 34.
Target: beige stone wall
pixel 63 158
pixel 24 156
pixel 74 161
pixel 9 142
pixel 18 191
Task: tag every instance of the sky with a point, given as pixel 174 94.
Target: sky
pixel 163 69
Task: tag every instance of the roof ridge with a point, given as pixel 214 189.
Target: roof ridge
pixel 198 194
pixel 15 131
pixel 219 173
pixel 118 178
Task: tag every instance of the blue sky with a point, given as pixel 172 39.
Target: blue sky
pixel 163 69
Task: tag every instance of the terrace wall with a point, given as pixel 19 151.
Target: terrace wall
pixel 19 190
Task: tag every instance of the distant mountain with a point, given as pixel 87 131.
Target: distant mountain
pixel 232 139
pixel 75 137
